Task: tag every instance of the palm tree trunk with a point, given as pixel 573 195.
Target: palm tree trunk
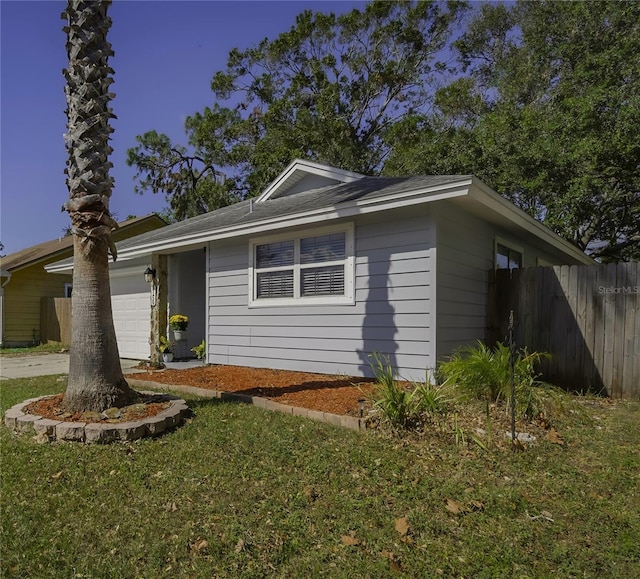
pixel 95 375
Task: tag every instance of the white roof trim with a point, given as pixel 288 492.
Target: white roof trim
pixel 489 198
pixel 294 172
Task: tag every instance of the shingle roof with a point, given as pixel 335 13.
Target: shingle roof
pixel 62 246
pixel 246 212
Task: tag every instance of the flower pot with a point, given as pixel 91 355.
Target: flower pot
pixel 167 356
pixel 180 334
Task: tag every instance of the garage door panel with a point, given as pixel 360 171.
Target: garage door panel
pixel 131 319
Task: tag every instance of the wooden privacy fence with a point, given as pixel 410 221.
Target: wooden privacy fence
pixel 586 317
pixel 55 320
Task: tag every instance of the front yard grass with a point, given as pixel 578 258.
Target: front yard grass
pixel 48 348
pixel 242 492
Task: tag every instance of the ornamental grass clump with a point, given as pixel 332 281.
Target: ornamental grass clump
pixel 485 373
pixel 393 401
pixel 432 399
pixel 402 405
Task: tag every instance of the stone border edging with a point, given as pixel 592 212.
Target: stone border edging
pixel 97 432
pixel 350 422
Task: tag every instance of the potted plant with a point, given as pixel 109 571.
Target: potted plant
pixel 200 350
pixel 166 349
pixel 178 323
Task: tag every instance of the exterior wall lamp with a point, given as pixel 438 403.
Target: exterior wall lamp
pixel 149 275
pixel 150 278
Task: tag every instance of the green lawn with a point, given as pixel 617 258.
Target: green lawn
pixel 242 492
pixel 51 347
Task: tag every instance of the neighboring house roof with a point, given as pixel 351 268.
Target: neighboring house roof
pixel 278 208
pixel 63 245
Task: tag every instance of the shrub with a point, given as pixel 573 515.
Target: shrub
pixel 485 373
pixel 200 350
pixel 165 346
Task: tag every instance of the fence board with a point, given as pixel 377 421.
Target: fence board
pixel 55 320
pixel 587 317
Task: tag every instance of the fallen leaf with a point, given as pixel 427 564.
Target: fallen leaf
pixel 402 526
pixel 455 508
pixel 57 475
pixel 554 438
pixel 311 493
pixel 476 505
pixel 171 507
pixel 199 545
pixel 239 546
pixel 350 539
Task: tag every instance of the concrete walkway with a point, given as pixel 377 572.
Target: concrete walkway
pixel 44 364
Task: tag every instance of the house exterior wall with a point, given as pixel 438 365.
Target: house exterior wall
pixel 21 307
pixel 392 313
pixel 465 254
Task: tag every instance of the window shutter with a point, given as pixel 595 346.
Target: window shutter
pixel 322 281
pixel 275 284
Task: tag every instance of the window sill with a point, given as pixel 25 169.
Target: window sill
pixel 303 302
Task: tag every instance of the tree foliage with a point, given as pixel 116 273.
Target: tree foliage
pixel 541 103
pixel 329 89
pixel 190 182
pixel 545 115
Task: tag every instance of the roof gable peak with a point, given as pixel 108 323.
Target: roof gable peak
pixel 297 170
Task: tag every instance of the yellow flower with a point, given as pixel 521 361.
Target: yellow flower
pixel 178 322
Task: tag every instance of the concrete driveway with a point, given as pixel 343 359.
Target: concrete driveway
pixel 43 364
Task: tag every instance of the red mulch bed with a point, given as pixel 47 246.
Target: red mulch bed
pixel 51 407
pixel 328 393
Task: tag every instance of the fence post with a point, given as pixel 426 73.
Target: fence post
pixel 512 363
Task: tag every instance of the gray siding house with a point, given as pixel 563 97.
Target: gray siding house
pixel 327 267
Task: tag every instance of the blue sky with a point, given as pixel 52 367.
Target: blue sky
pixel 165 56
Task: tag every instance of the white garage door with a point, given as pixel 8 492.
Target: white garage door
pixel 131 315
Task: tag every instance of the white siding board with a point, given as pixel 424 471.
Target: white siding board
pixel 411 279
pixel 230 307
pixel 315 332
pixel 422 320
pixel 224 281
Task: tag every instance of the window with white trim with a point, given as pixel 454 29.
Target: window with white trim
pixel 314 266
